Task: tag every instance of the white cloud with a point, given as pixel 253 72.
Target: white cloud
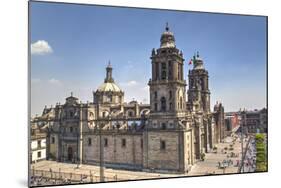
pixel 41 47
pixel 130 83
pixel 54 81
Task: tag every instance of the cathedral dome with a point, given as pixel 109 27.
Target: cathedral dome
pixel 109 86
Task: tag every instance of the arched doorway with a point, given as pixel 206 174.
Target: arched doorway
pixel 69 153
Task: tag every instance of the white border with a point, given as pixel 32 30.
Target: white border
pixel 13 56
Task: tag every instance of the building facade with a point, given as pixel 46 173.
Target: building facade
pixel 254 121
pixel 38 143
pixel 169 134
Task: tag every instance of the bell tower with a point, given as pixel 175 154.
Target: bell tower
pixel 198 91
pixel 168 137
pixel 167 85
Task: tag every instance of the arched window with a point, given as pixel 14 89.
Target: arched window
pixel 163 104
pixel 155 107
pixel 155 94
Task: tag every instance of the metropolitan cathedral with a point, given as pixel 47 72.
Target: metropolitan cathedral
pixel 170 134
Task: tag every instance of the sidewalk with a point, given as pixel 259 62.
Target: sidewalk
pixel 210 164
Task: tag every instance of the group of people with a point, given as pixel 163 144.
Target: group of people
pixel 225 163
pixel 250 159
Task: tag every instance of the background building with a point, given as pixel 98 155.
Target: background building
pixel 38 143
pixel 254 121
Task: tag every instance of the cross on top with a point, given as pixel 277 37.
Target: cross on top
pixel 167 26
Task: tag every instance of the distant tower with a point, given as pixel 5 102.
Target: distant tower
pixel 167 86
pixel 198 92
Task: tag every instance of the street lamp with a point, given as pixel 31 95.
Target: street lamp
pixel 101 145
pixel 243 114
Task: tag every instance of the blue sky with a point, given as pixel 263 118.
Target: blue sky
pixel 78 42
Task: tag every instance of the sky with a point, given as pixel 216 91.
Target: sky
pixel 71 45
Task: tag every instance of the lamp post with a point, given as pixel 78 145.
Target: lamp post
pixel 101 145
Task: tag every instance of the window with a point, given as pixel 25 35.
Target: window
pixel 71 129
pixel 105 142
pixel 103 114
pixel 163 104
pixel 170 70
pixel 171 105
pixel 155 106
pixel 123 142
pixel 163 126
pixel 39 143
pixel 163 71
pixel 130 113
pixel 71 114
pixel 39 154
pixel 89 141
pixel 163 74
pixel 155 94
pixel 162 145
pixel 53 140
pixel 141 143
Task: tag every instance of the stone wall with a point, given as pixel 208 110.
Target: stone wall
pixel 169 158
pixel 115 153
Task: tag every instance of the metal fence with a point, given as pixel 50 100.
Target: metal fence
pixel 49 177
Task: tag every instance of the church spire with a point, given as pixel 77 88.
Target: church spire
pixel 108 73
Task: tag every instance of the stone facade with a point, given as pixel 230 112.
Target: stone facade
pixel 168 135
pixel 254 121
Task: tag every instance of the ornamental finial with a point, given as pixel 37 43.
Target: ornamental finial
pixel 167 26
pixel 109 64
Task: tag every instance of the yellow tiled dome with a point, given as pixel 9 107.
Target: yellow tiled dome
pixel 109 86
